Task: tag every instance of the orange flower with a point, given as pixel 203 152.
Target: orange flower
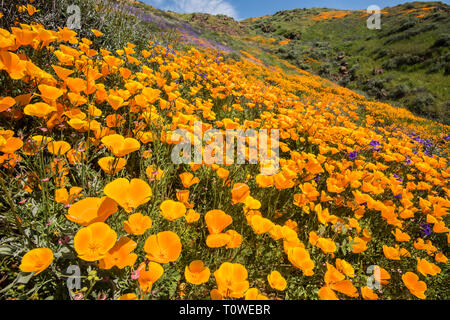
pixel 149 274
pixel 183 196
pixel 64 197
pixel 231 280
pixel 276 281
pixel 36 260
pixel 40 110
pixel 197 273
pixel 119 145
pixel 235 239
pixel 425 267
pixel 239 192
pixel 137 224
pixel 217 220
pixel 391 252
pixel 368 294
pixel 401 236
pixel 153 174
pixel 326 244
pixel 358 245
pixel 416 287
pixel 264 181
pixel 188 179
pixel 192 216
pixel 58 148
pixel 120 255
pixel 261 225
pixel 217 240
pixel 128 296
pixel 6 103
pixel 94 241
pixel 128 194
pixel 299 257
pixel 163 247
pixel 172 210
pixel 254 294
pixel 345 267
pixel 91 210
pixel 112 165
pixel 325 293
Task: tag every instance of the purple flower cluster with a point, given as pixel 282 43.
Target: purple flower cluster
pixel 352 155
pixel 425 228
pixel 376 145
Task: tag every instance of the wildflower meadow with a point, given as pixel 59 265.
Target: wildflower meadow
pixel 168 170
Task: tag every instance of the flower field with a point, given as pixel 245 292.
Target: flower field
pixel 93 206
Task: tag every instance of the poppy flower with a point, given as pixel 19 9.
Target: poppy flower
pixel 39 109
pixel 261 225
pixel 49 92
pixel 153 174
pixel 358 245
pixel 163 247
pixel 137 224
pixel 217 220
pixel 112 165
pixel 231 279
pixel 128 296
pixel 299 257
pixel 391 252
pixel 240 192
pixel 6 103
pixel 65 197
pixel 235 239
pixel 254 294
pixel 188 179
pixel 327 245
pixel 192 216
pixel 90 210
pixel 58 148
pixel 368 294
pixel 276 281
pixel 128 194
pixel 197 273
pixel 326 293
pixel 119 145
pixel 416 287
pixel 94 241
pixel 345 267
pixel 36 260
pixel 183 196
pixel 149 274
pixel 217 240
pixel 120 255
pixel 172 210
pixel 425 267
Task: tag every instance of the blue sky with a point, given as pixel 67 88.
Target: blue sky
pixel 242 9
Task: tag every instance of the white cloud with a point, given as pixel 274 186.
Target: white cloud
pixel 189 6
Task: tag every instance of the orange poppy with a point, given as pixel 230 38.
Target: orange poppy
pixel 148 275
pixel 368 294
pixel 163 247
pixel 254 294
pixel 217 240
pixel 58 148
pixel 112 165
pixel 299 257
pixel 217 220
pixel 90 210
pixel 172 210
pixel 240 192
pixel 231 280
pixel 137 224
pixel 192 216
pixel 261 225
pixel 128 194
pixel 120 255
pixel 425 267
pixel 94 241
pixel 416 287
pixel 119 145
pixel 36 260
pixel 197 273
pixel 39 109
pixel 235 239
pixel 276 281
pixel 188 179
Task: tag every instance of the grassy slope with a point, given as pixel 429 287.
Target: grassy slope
pixel 415 70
